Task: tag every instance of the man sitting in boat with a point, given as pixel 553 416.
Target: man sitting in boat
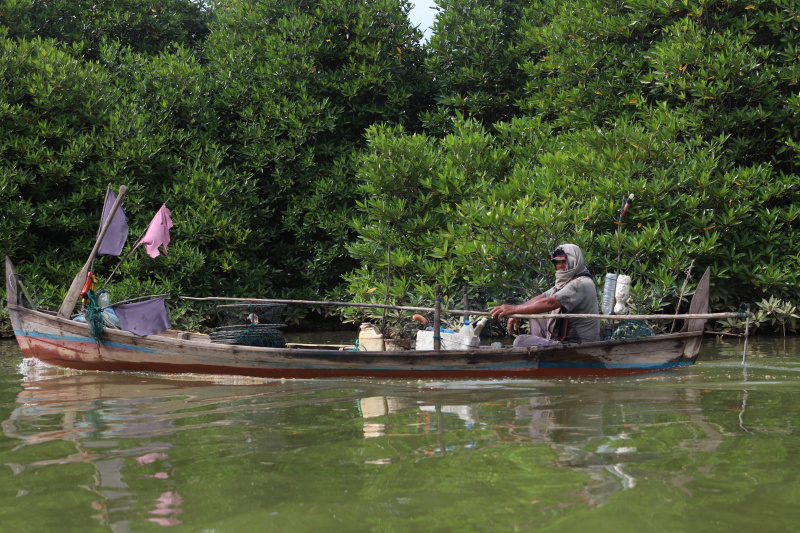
pixel 574 292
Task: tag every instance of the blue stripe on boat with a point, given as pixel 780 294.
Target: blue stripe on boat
pixel 82 340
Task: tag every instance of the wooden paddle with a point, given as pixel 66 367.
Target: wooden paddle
pixel 68 305
pixel 699 304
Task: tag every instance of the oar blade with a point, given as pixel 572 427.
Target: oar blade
pixel 699 305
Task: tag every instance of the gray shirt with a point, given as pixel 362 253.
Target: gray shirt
pixel 579 296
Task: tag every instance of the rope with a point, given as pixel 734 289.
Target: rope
pixel 741 313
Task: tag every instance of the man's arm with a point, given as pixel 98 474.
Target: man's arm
pixel 535 306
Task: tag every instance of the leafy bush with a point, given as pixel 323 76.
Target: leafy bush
pixel 302 146
pixel 671 102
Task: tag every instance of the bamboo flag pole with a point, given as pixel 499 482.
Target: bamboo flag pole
pixel 462 311
pixel 100 227
pixel 68 305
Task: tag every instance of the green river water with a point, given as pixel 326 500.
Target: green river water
pixel 715 447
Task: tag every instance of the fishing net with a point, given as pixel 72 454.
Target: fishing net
pixel 94 316
pixel 264 335
pixel 631 329
pixel 251 325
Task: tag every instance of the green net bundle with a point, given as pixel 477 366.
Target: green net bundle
pixel 94 316
pixel 251 325
pixel 632 329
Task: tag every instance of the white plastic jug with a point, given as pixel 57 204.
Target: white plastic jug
pixel 621 294
pixel 370 338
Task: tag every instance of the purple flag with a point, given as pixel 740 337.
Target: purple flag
pixel 117 233
pixel 157 232
pixel 143 318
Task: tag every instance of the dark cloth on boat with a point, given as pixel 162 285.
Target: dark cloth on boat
pixel 143 318
pixel 537 337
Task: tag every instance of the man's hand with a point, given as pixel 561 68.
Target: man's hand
pixel 504 310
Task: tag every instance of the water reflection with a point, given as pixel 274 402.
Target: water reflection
pixel 586 436
pixel 121 424
pixel 190 451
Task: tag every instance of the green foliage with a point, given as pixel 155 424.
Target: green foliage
pixel 253 149
pixel 81 26
pixel 50 107
pixel 296 87
pixel 691 107
pixel 414 188
pixel 5 322
pixel 475 59
pixel 770 314
pixel 302 146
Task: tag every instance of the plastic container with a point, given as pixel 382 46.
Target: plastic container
pixel 467 330
pixel 479 326
pixel 607 306
pixel 370 338
pixel 110 318
pixel 448 341
pixel 103 299
pixel 621 294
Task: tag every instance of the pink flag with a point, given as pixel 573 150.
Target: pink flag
pixel 158 232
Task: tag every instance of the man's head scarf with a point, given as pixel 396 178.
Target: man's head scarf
pixel 575 265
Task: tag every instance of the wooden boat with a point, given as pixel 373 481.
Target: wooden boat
pixel 45 336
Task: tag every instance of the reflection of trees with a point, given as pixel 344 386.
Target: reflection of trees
pixel 596 438
pixel 160 449
pixel 124 427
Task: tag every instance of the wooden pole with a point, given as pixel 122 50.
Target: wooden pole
pixel 99 228
pixel 138 299
pixel 465 301
pixel 683 290
pixel 461 311
pixel 723 334
pixel 437 335
pixel 388 280
pixel 746 334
